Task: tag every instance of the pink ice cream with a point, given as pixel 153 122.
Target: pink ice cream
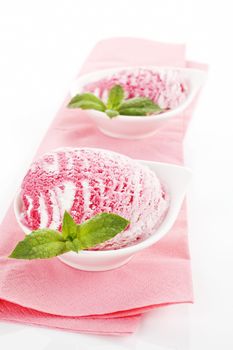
pixel 167 88
pixel 86 182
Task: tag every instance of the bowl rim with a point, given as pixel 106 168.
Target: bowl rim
pixel 124 250
pixel 161 116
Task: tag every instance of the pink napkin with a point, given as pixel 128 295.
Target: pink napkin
pixel 52 294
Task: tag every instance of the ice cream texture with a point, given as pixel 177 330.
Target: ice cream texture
pixel 86 182
pixel 167 88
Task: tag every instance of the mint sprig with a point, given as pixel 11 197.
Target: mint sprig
pixel 116 104
pixel 47 243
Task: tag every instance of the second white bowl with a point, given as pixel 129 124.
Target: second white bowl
pixel 135 127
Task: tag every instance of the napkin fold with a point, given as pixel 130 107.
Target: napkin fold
pixel 50 293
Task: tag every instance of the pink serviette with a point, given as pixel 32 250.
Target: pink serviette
pixel 52 294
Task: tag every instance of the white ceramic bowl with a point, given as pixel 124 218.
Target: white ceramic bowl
pixel 176 178
pixel 135 127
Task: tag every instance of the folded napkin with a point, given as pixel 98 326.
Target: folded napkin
pixel 49 293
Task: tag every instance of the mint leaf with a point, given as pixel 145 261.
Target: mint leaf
pixel 75 245
pixel 100 228
pixel 138 111
pixel 69 227
pixel 111 113
pixel 139 106
pixel 115 97
pixel 87 101
pixel 40 244
pixel 139 102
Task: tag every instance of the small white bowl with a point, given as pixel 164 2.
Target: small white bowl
pixel 175 177
pixel 136 127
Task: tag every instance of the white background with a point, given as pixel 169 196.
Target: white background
pixel 42 46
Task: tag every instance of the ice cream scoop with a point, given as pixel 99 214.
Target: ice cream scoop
pixel 86 182
pixel 167 88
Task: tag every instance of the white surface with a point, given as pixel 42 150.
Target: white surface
pixel 43 44
pixel 175 178
pixel 136 127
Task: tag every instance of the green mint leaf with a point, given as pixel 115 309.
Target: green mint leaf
pixel 139 106
pixel 111 113
pixel 138 111
pixel 100 228
pixel 137 102
pixel 115 97
pixel 69 245
pixel 40 244
pixel 74 245
pixel 87 101
pixel 69 227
